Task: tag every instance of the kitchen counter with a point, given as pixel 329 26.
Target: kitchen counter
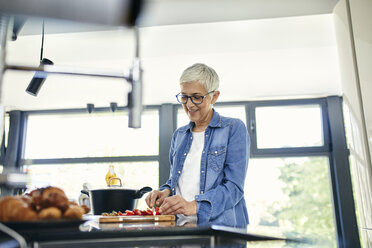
pixel 161 234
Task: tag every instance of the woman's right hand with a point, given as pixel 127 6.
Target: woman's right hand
pixel 157 197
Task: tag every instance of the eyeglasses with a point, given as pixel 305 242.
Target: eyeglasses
pixel 195 99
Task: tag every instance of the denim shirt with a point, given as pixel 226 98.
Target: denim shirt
pixel 223 168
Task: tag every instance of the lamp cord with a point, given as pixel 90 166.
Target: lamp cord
pixel 42 42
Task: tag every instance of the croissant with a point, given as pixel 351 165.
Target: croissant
pixel 16 208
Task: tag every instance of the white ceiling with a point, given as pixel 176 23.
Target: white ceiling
pixel 170 12
pixel 167 12
pixel 281 57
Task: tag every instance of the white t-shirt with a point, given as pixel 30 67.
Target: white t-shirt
pixel 189 181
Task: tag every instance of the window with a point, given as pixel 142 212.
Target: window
pixel 293 194
pixel 361 175
pixel 77 136
pixel 94 135
pixel 289 126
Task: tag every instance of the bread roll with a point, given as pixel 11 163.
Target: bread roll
pixel 51 213
pixel 49 197
pixel 44 203
pixel 74 212
pixel 54 197
pixel 15 208
pixel 85 208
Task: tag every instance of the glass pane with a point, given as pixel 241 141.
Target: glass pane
pixel 289 126
pixel 6 130
pixel 361 179
pixel 95 135
pixel 71 177
pixel 182 118
pixel 353 133
pixel 293 195
pixel 232 111
pixel 228 111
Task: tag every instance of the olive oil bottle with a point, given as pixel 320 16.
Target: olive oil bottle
pixel 110 174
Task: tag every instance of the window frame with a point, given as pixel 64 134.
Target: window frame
pixel 292 151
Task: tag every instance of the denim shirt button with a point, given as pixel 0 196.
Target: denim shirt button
pixel 203 152
pixel 202 192
pixel 215 152
pixel 179 172
pixel 185 154
pixel 206 135
pixel 173 189
pixel 202 171
pixel 191 137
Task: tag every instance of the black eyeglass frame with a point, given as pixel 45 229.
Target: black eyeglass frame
pixel 187 98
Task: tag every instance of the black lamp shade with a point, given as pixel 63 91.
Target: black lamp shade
pixel 18 23
pixel 38 79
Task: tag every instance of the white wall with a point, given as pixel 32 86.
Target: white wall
pixel 287 57
pixel 362 30
pixel 354 39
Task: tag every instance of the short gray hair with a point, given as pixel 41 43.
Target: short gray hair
pixel 203 74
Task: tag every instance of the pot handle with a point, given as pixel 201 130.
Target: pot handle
pixel 84 192
pixel 139 193
pixel 116 178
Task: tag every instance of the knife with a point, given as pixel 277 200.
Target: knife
pixel 154 209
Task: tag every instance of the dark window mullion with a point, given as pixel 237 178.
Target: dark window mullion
pixel 167 120
pixel 347 228
pixel 293 151
pixel 252 128
pixel 88 160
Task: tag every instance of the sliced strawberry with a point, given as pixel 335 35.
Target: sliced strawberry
pixel 143 212
pixel 137 212
pixel 128 212
pixel 149 212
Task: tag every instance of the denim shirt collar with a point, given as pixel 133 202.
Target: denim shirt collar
pixel 215 122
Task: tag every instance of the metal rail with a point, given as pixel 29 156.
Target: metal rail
pixel 65 70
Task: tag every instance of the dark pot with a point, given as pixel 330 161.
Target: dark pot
pixel 114 199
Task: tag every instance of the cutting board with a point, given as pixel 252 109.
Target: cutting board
pixel 136 218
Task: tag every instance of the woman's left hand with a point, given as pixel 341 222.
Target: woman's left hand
pixel 178 205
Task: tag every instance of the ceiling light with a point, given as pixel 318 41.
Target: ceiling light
pixel 38 79
pixel 40 76
pixel 18 22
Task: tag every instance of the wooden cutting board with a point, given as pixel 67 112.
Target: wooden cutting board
pixel 136 218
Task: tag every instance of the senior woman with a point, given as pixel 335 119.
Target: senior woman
pixel 208 157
